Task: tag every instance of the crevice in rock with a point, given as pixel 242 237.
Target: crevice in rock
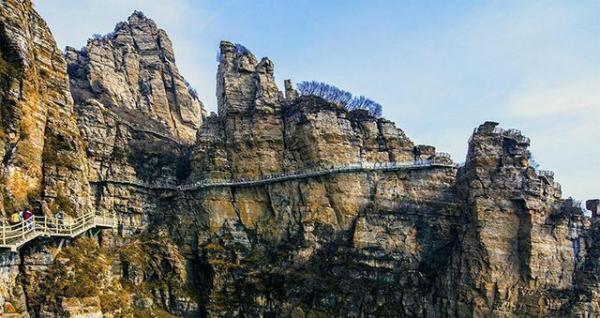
pixel 332 205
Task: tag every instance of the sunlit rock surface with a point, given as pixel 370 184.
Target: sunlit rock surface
pixel 490 238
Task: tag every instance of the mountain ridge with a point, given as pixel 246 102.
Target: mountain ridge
pixel 492 238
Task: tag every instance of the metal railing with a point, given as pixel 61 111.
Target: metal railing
pixel 442 161
pixel 16 235
pixel 440 155
pixel 439 160
pixel 515 134
pixel 135 183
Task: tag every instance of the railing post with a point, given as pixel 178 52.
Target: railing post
pixel 3 234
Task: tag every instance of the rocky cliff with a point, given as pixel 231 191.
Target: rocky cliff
pixel 137 115
pixel 132 70
pixel 199 237
pixel 44 166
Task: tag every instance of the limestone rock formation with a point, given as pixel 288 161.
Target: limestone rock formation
pixel 491 238
pixel 134 68
pixel 518 242
pixel 137 115
pixel 44 162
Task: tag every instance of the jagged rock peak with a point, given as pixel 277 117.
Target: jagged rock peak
pixel 139 26
pixel 243 83
pixel 236 57
pixel 133 69
pixel 139 18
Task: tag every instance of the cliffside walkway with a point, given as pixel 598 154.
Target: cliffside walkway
pixel 442 162
pixel 14 236
pixel 316 172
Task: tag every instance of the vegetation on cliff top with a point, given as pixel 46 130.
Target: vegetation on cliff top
pixel 339 96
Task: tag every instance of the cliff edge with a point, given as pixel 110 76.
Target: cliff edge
pixel 278 205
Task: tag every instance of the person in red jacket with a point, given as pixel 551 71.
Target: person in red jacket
pixel 28 217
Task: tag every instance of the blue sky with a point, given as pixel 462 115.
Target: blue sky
pixel 439 68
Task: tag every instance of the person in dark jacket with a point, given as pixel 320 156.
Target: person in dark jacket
pixel 28 217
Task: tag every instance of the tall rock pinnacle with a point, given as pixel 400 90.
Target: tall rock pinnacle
pixel 274 207
pixel 133 69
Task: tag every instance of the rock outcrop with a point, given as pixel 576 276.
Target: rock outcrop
pixel 137 115
pixel 492 237
pixel 133 69
pixel 44 166
pixel 518 240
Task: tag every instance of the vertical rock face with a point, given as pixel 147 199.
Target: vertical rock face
pixel 586 283
pixel 133 68
pixel 249 105
pixel 495 239
pixel 490 238
pixel 43 154
pixel 257 132
pixel 366 229
pixel 518 243
pixel 137 115
pixel 44 167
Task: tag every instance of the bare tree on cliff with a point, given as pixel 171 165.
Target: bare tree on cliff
pixel 339 96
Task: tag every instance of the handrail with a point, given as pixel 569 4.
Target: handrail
pixel 16 235
pixel 439 160
pixel 442 161
pixel 513 134
pixel 442 155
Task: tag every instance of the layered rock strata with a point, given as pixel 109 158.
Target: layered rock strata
pixel 44 166
pixel 134 68
pixel 491 238
pixel 137 115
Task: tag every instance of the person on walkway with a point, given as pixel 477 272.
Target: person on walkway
pixel 60 218
pixel 28 217
pixel 15 218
